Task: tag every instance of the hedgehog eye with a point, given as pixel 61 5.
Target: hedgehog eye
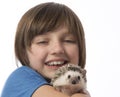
pixel 69 76
pixel 78 77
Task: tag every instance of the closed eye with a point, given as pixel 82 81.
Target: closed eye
pixel 42 42
pixel 70 41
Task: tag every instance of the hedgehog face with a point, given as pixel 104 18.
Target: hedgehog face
pixel 73 77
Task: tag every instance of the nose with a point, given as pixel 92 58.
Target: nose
pixel 57 48
pixel 73 82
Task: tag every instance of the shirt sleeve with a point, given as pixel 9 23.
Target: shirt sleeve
pixel 23 82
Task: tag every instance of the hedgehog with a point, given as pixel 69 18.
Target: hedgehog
pixel 70 79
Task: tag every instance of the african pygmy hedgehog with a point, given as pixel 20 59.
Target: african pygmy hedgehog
pixel 70 79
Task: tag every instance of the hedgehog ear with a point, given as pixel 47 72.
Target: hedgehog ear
pixel 68 65
pixel 84 72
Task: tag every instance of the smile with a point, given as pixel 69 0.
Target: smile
pixel 56 63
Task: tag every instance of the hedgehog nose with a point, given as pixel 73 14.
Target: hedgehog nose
pixel 73 82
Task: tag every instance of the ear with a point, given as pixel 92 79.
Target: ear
pixel 68 65
pixel 84 73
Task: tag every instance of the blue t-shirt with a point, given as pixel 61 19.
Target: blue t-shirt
pixel 22 83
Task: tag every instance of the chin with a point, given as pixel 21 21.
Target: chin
pixel 50 75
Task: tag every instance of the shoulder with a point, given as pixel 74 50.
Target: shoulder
pixel 25 73
pixel 23 82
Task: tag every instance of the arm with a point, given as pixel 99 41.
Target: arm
pixel 80 95
pixel 86 94
pixel 49 91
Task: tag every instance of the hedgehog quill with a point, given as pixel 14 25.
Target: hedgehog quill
pixel 70 79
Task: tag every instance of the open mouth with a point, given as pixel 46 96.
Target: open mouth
pixel 56 63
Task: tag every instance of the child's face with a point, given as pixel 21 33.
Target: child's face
pixel 51 50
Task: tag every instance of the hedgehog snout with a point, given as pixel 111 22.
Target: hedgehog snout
pixel 74 80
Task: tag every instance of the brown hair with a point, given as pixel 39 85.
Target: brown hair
pixel 43 18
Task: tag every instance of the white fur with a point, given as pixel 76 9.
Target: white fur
pixel 63 79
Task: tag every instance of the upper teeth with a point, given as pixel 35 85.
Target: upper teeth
pixel 56 63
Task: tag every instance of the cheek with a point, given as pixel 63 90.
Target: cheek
pixel 73 54
pixel 39 57
pixel 37 52
pixel 36 56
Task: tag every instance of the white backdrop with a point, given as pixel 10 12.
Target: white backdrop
pixel 101 21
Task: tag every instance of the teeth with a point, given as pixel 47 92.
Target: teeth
pixel 56 63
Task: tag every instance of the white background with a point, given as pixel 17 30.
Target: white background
pixel 101 21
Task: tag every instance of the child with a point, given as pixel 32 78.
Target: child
pixel 48 36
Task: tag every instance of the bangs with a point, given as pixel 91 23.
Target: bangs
pixel 50 18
